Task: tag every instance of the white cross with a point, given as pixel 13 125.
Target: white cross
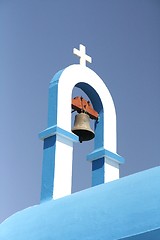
pixel 82 54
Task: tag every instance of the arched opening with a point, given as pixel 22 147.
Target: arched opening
pixel 97 105
pixel 82 169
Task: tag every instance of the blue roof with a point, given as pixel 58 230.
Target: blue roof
pixel 128 208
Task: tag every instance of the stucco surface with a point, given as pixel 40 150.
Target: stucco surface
pixel 127 208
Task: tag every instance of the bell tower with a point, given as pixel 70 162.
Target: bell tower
pixel 58 137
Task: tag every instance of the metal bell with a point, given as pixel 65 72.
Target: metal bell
pixel 82 127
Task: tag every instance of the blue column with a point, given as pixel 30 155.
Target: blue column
pixel 48 167
pixel 98 171
pixel 97 157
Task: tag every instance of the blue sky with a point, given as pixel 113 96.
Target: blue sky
pixel 37 40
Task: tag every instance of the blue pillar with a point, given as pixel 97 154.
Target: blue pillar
pixel 48 168
pixel 98 158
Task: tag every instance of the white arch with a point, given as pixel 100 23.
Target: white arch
pixel 68 79
pixel 61 151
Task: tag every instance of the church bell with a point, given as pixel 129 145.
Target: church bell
pixel 82 127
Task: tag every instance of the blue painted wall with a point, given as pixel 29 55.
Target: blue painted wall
pixel 127 208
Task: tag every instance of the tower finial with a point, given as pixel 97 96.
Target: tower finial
pixel 82 54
